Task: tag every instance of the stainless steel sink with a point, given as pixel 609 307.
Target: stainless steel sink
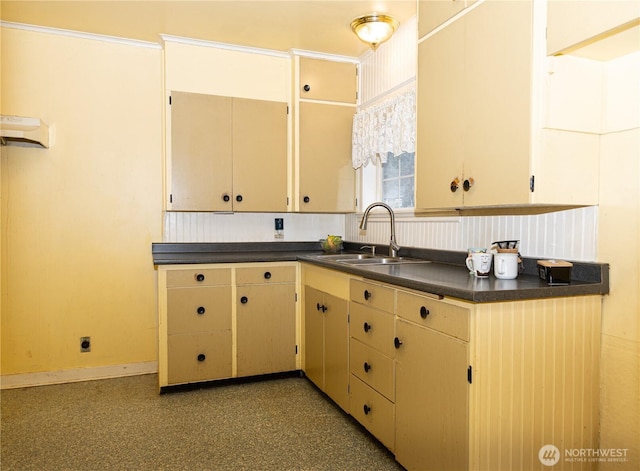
pixel 348 256
pixel 379 261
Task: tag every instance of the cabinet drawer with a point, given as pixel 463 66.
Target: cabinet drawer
pixel 374 411
pixel 265 274
pixel 199 357
pixel 373 368
pixel 198 309
pixel 372 327
pixel 438 315
pixel 370 294
pixel 198 277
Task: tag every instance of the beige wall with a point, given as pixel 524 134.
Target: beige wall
pixel 78 219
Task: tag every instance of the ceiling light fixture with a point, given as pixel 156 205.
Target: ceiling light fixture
pixel 374 29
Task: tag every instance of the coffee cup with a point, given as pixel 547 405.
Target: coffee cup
pixel 479 264
pixel 505 266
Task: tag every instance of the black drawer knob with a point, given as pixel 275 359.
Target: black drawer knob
pixel 306 87
pixel 201 310
pixel 306 199
pixel 366 327
pixel 226 198
pixel 424 312
pixel 366 409
pixel 199 277
pixel 244 300
pixel 467 184
pixel 367 367
pixel 202 357
pixel 267 275
pixel 397 342
pixel 239 198
pixel 367 295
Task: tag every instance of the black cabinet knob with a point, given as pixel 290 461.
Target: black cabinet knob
pixel 244 300
pixel 306 199
pixel 454 185
pixel 467 184
pixel 267 275
pixel 397 342
pixel 226 198
pixel 239 198
pixel 366 409
pixel 201 310
pixel 367 367
pixel 200 277
pixel 424 312
pixel 366 327
pixel 306 87
pixel 201 357
pixel 367 295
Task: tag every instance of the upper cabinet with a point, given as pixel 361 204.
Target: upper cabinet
pixel 576 23
pixel 324 105
pixel 433 13
pixel 227 154
pixel 482 141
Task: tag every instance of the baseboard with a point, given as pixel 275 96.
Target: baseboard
pixel 75 375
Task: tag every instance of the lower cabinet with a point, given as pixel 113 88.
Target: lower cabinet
pixel 226 320
pixel 326 332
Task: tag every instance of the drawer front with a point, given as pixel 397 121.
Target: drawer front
pixel 266 274
pixel 198 277
pixel 199 357
pixel 373 411
pixel 198 309
pixel 372 327
pixel 370 294
pixel 437 315
pixel 372 367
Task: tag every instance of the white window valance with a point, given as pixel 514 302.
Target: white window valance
pixel 386 127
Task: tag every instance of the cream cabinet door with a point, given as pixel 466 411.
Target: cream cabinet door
pixel 260 142
pixel 432 400
pixel 432 13
pixel 201 152
pixel 326 177
pixel 266 328
pixel 314 336
pixel 326 80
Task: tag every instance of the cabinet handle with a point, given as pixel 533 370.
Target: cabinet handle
pixel 239 198
pixel 306 87
pixel 366 409
pixel 467 184
pixel 201 310
pixel 321 307
pixel 199 277
pixel 367 295
pixel 244 300
pixel 267 275
pixel 201 357
pixel 366 367
pixel 226 198
pixel 424 312
pixel 306 199
pixel 397 342
pixel 367 327
pixel 454 185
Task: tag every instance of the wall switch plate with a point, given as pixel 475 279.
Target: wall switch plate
pixel 85 344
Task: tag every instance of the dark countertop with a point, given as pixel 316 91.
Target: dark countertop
pixel 446 275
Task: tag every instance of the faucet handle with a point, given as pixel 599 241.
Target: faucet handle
pixel 372 247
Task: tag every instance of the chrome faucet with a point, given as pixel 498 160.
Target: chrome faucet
pixel 393 246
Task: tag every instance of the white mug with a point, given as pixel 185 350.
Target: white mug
pixel 505 266
pixel 479 264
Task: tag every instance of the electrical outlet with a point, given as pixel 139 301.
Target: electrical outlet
pixel 85 344
pixel 279 234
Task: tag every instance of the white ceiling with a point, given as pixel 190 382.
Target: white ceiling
pixel 313 25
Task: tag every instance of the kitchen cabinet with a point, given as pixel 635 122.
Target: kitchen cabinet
pixel 433 13
pixel 572 24
pixel 326 332
pixel 325 102
pixel 266 319
pixel 225 321
pixel 476 381
pixel 371 362
pixel 481 141
pixel 227 154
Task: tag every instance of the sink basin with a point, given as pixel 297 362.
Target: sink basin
pixel 379 261
pixel 348 256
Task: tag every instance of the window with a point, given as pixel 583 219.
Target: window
pixel 398 180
